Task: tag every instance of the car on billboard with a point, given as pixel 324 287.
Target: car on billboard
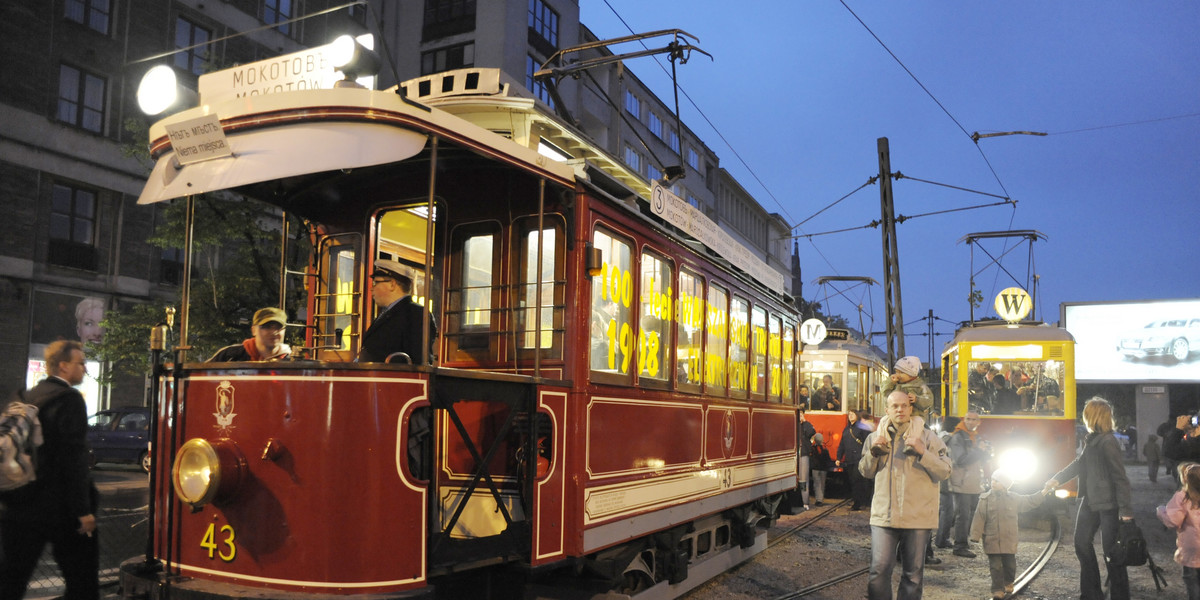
pixel 120 435
pixel 1167 337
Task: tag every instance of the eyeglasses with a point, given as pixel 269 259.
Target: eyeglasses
pixel 378 280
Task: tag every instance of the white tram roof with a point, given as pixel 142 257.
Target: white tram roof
pixel 1003 332
pixel 285 134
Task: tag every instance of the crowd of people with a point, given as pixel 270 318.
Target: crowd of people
pixel 925 490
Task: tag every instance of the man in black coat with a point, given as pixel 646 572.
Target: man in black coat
pixel 398 328
pixel 59 507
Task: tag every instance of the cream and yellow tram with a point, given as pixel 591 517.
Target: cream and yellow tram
pixel 1021 379
pixel 855 372
pixel 606 395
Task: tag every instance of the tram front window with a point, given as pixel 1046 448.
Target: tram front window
pixel 1016 387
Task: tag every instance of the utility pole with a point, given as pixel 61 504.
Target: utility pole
pixel 891 257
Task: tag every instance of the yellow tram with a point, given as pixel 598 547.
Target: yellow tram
pixel 1020 377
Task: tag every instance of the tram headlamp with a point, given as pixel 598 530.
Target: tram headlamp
pixel 160 90
pixel 353 58
pixel 1020 463
pixel 205 472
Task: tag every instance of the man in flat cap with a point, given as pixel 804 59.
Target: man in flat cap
pixel 398 328
pixel 265 343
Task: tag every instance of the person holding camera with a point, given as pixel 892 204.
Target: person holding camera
pixel 1183 441
pixel 970 454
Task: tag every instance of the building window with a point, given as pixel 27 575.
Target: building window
pixel 171 266
pixel 445 59
pixel 632 105
pixel 632 159
pixel 81 99
pixel 693 159
pixel 188 34
pixel 693 201
pixel 538 88
pixel 278 11
pixel 93 13
pixel 543 27
pixel 73 227
pixel 653 173
pixel 673 140
pixel 447 17
pixel 655 124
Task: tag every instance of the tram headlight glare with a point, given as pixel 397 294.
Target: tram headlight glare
pixel 160 90
pixel 1020 463
pixel 197 472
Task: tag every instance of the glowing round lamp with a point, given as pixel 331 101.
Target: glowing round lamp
pixel 158 90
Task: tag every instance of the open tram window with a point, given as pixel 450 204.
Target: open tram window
pixel 824 379
pixel 401 235
pixel 717 340
pixel 1016 387
pixel 739 347
pixel 336 297
pixel 541 320
pixel 689 324
pixel 612 296
pixel 473 293
pixel 654 332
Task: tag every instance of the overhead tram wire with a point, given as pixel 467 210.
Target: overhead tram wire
pixel 929 93
pixel 709 121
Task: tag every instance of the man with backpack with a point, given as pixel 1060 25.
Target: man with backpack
pixel 59 507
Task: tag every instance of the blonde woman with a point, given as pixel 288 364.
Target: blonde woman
pixel 1104 499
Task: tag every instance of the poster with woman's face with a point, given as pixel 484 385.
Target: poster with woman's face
pixel 65 317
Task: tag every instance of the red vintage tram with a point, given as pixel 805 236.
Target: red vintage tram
pixel 609 396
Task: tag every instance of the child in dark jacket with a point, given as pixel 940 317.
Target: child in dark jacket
pixel 995 524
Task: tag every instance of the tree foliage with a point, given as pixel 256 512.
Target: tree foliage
pixel 235 271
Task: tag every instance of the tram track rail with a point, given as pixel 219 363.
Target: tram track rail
pixel 1023 580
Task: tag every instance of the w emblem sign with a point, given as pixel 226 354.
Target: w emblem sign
pixel 1013 304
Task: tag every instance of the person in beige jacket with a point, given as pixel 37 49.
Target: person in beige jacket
pixel 904 509
pixel 995 523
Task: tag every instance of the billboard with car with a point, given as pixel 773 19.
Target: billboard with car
pixel 1153 340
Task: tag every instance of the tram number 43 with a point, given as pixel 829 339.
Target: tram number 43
pixel 219 542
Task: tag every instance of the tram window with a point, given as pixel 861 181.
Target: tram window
pixel 716 342
pixel 824 379
pixel 1016 387
pixel 775 370
pixel 471 296
pixel 654 324
pixel 852 397
pixel 689 322
pixel 337 297
pixel 758 329
pixel 789 362
pixel 540 319
pixel 612 295
pixel 739 347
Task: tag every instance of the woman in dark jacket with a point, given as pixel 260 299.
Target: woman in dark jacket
pixel 849 452
pixel 1104 499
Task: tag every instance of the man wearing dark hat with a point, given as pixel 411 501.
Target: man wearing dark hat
pixel 398 328
pixel 266 342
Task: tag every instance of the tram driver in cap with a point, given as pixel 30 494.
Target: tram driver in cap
pixel 398 328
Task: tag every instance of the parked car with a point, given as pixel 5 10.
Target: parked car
pixel 120 435
pixel 1173 337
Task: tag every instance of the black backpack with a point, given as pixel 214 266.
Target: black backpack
pixel 1130 551
pixel 1130 547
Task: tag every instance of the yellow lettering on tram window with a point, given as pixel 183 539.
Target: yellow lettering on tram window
pixel 626 288
pixel 611 332
pixel 626 346
pixel 648 353
pixel 209 542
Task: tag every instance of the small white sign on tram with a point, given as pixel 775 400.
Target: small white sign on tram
pixel 812 332
pixel 199 139
pixel 677 211
pixel 1013 304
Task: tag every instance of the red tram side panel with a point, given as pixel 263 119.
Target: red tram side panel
pixel 323 477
